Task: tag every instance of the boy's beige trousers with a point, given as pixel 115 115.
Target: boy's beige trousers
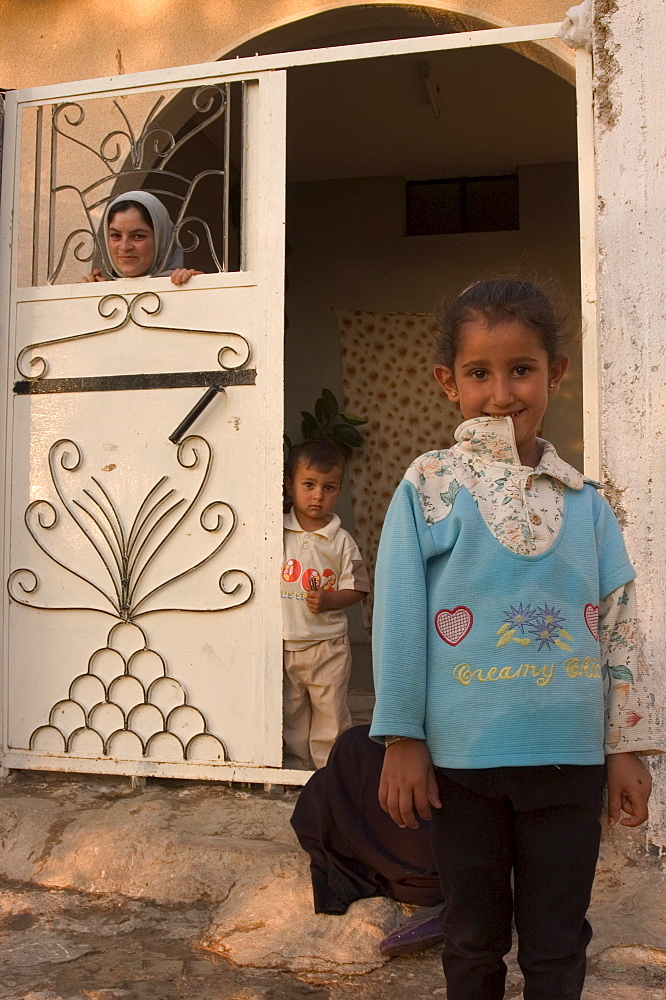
pixel 315 684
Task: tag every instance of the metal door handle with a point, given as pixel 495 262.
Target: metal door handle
pixel 196 410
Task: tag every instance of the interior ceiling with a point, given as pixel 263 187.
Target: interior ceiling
pixel 373 118
pixel 499 109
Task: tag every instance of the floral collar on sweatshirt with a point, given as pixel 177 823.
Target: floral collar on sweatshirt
pixel 523 507
pixel 492 441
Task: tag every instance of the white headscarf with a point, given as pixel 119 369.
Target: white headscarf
pixel 162 227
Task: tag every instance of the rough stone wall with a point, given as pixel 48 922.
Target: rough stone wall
pixel 631 139
pixel 65 40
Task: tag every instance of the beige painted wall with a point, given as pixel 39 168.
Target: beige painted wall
pixel 65 40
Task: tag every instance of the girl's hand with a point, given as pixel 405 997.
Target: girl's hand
pixel 95 275
pixel 183 274
pixel 629 787
pixel 407 782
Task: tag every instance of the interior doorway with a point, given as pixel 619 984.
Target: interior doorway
pixel 363 138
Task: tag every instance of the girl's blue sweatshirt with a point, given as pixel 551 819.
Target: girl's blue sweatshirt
pixel 493 657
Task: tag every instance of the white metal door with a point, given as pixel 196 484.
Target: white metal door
pixel 142 630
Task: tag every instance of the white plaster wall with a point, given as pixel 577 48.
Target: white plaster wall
pixel 631 147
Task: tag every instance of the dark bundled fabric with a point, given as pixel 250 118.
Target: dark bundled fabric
pixel 355 848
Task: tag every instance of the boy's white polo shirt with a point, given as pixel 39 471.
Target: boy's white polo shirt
pixel 331 557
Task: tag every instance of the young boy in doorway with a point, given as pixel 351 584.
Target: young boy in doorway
pixel 322 574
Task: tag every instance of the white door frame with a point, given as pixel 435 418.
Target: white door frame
pixel 242 68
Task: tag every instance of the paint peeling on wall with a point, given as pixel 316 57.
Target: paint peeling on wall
pixel 606 65
pixel 615 494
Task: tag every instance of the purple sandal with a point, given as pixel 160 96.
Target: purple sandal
pixel 417 934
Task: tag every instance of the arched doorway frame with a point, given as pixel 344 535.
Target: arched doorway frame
pixel 304 31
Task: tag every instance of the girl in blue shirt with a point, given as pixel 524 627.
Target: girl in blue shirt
pixel 499 570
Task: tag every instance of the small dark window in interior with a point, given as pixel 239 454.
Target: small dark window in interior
pixel 434 207
pixel 462 205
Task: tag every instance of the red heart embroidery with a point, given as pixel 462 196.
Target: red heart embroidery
pixel 591 615
pixel 454 625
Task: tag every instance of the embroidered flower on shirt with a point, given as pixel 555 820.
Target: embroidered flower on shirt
pixel 550 616
pixel 548 631
pixel 515 619
pixel 545 633
pixel 545 625
pixel 519 617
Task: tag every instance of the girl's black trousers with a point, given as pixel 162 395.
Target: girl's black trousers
pixel 542 823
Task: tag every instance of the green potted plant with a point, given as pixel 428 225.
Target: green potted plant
pixel 329 423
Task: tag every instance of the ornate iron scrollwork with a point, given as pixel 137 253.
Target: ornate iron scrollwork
pixel 124 310
pixel 143 160
pixel 126 705
pixel 126 553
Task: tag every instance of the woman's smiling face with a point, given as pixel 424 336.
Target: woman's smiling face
pixel 503 371
pixel 131 243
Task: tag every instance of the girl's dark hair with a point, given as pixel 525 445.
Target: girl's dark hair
pixel 320 455
pixel 495 300
pixel 124 206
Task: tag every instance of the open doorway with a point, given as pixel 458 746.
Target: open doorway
pixel 486 139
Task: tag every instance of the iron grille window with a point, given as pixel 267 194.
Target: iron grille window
pixel 462 205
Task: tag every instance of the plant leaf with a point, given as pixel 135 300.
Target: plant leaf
pixel 347 435
pixel 351 418
pixel 329 436
pixel 321 412
pixel 309 425
pixel 330 402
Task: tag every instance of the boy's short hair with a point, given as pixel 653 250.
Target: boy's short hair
pixel 320 455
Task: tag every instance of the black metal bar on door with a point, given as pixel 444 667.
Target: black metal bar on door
pixel 116 383
pixel 198 408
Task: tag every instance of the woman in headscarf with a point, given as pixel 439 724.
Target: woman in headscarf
pixel 138 231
